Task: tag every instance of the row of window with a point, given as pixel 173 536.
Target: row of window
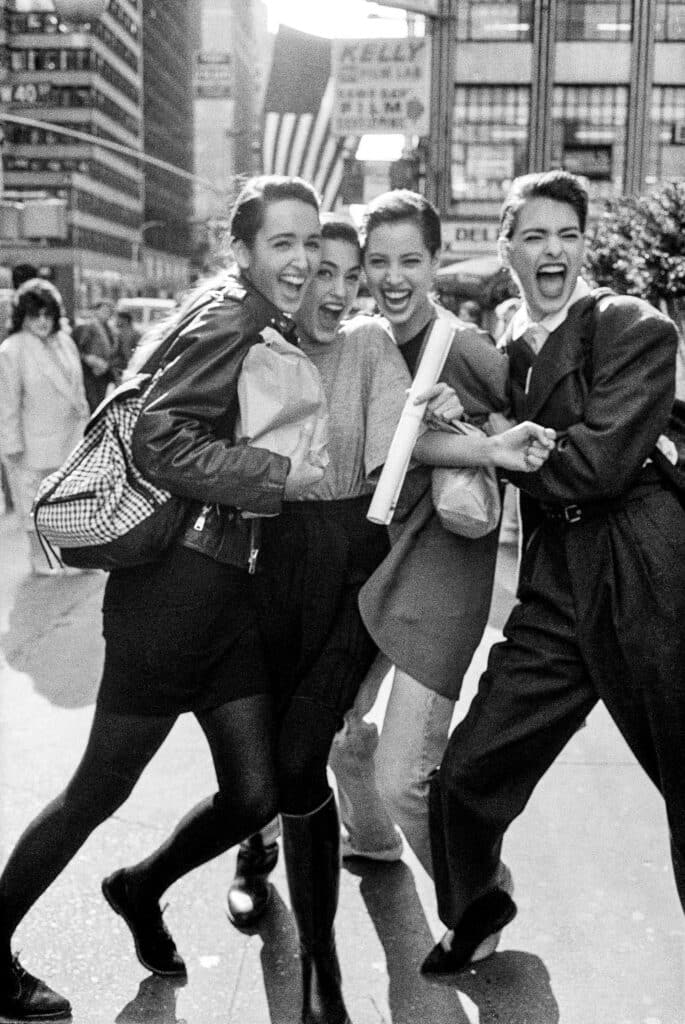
pixel 49 24
pixel 73 60
pixel 607 20
pixel 123 18
pixel 589 127
pixel 45 94
pixel 98 241
pixel 96 206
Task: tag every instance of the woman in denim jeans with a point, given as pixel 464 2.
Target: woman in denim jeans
pixel 427 606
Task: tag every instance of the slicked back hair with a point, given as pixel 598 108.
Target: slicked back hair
pixel 562 186
pixel 247 215
pixel 399 206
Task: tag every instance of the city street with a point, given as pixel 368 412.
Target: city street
pixel 599 937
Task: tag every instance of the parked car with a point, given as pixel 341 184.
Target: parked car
pixel 146 311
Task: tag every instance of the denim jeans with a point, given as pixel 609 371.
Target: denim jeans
pixel 385 781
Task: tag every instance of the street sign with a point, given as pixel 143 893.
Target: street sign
pixel 429 7
pixel 213 79
pixel 381 86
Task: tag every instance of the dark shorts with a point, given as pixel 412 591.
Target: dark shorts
pixel 181 635
pixel 314 559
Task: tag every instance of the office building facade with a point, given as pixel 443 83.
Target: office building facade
pixel 596 87
pixel 86 77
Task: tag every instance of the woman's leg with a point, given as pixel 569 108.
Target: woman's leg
pixel 240 736
pixel 311 845
pixel 413 740
pixel 370 829
pixel 118 749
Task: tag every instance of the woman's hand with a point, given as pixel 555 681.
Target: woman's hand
pixel 524 448
pixel 443 404
pixel 305 467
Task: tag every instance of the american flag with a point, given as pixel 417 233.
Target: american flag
pixel 297 136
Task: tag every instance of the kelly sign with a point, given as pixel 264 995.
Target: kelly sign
pixel 381 86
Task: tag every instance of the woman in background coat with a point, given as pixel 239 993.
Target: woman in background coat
pixel 43 407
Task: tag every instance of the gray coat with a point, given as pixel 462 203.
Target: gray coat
pixel 427 604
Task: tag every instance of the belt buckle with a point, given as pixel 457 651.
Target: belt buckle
pixel 572 513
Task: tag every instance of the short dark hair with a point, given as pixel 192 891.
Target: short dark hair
pixel 33 296
pixel 401 205
pixel 561 186
pixel 340 230
pixel 247 215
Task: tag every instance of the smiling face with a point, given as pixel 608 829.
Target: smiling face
pixel 400 271
pixel 545 254
pixel 285 253
pixel 334 288
pixel 41 324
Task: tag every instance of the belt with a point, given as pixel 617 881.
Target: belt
pixel 581 513
pixel 570 514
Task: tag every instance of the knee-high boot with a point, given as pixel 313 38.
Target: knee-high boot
pixel 311 844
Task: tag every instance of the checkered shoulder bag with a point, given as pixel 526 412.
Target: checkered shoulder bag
pixel 97 508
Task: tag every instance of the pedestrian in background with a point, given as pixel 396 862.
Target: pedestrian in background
pixel 180 633
pixel 601 611
pixel 127 338
pixel 96 343
pixel 43 408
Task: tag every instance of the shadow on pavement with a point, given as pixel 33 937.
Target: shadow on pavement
pixel 280 962
pixel 154 1003
pixel 512 986
pixel 54 636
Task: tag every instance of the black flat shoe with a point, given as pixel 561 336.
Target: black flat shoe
pixel 155 948
pixel 250 890
pixel 26 998
pixel 484 919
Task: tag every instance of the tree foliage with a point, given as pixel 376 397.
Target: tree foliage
pixel 637 246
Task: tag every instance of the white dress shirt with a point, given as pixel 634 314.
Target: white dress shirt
pixel 537 332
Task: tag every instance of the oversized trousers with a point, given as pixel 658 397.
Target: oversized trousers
pixel 601 616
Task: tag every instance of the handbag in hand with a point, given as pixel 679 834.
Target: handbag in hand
pixel 466 499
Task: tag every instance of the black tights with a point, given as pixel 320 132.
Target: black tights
pixel 305 736
pixel 118 750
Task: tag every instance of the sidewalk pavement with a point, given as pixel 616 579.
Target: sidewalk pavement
pixel 599 938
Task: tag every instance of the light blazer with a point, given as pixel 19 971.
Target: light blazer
pixel 43 408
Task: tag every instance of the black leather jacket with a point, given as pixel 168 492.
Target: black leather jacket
pixel 184 438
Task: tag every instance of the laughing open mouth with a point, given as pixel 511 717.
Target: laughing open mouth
pixel 551 279
pixel 396 300
pixel 329 315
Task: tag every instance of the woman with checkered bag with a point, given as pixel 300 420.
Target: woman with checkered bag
pixel 180 632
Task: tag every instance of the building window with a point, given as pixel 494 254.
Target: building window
pixel 670 21
pixel 495 20
pixel 606 20
pixel 589 134
pixel 667 152
pixel 490 139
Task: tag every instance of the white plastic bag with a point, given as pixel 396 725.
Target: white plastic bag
pixel 280 394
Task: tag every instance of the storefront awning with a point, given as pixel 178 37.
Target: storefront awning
pixel 482 278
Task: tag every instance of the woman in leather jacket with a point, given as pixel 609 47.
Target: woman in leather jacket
pixel 181 632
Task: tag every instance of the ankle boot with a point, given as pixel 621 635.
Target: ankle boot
pixel 311 845
pixel 250 890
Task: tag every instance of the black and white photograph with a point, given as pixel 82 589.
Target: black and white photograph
pixel 342 511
